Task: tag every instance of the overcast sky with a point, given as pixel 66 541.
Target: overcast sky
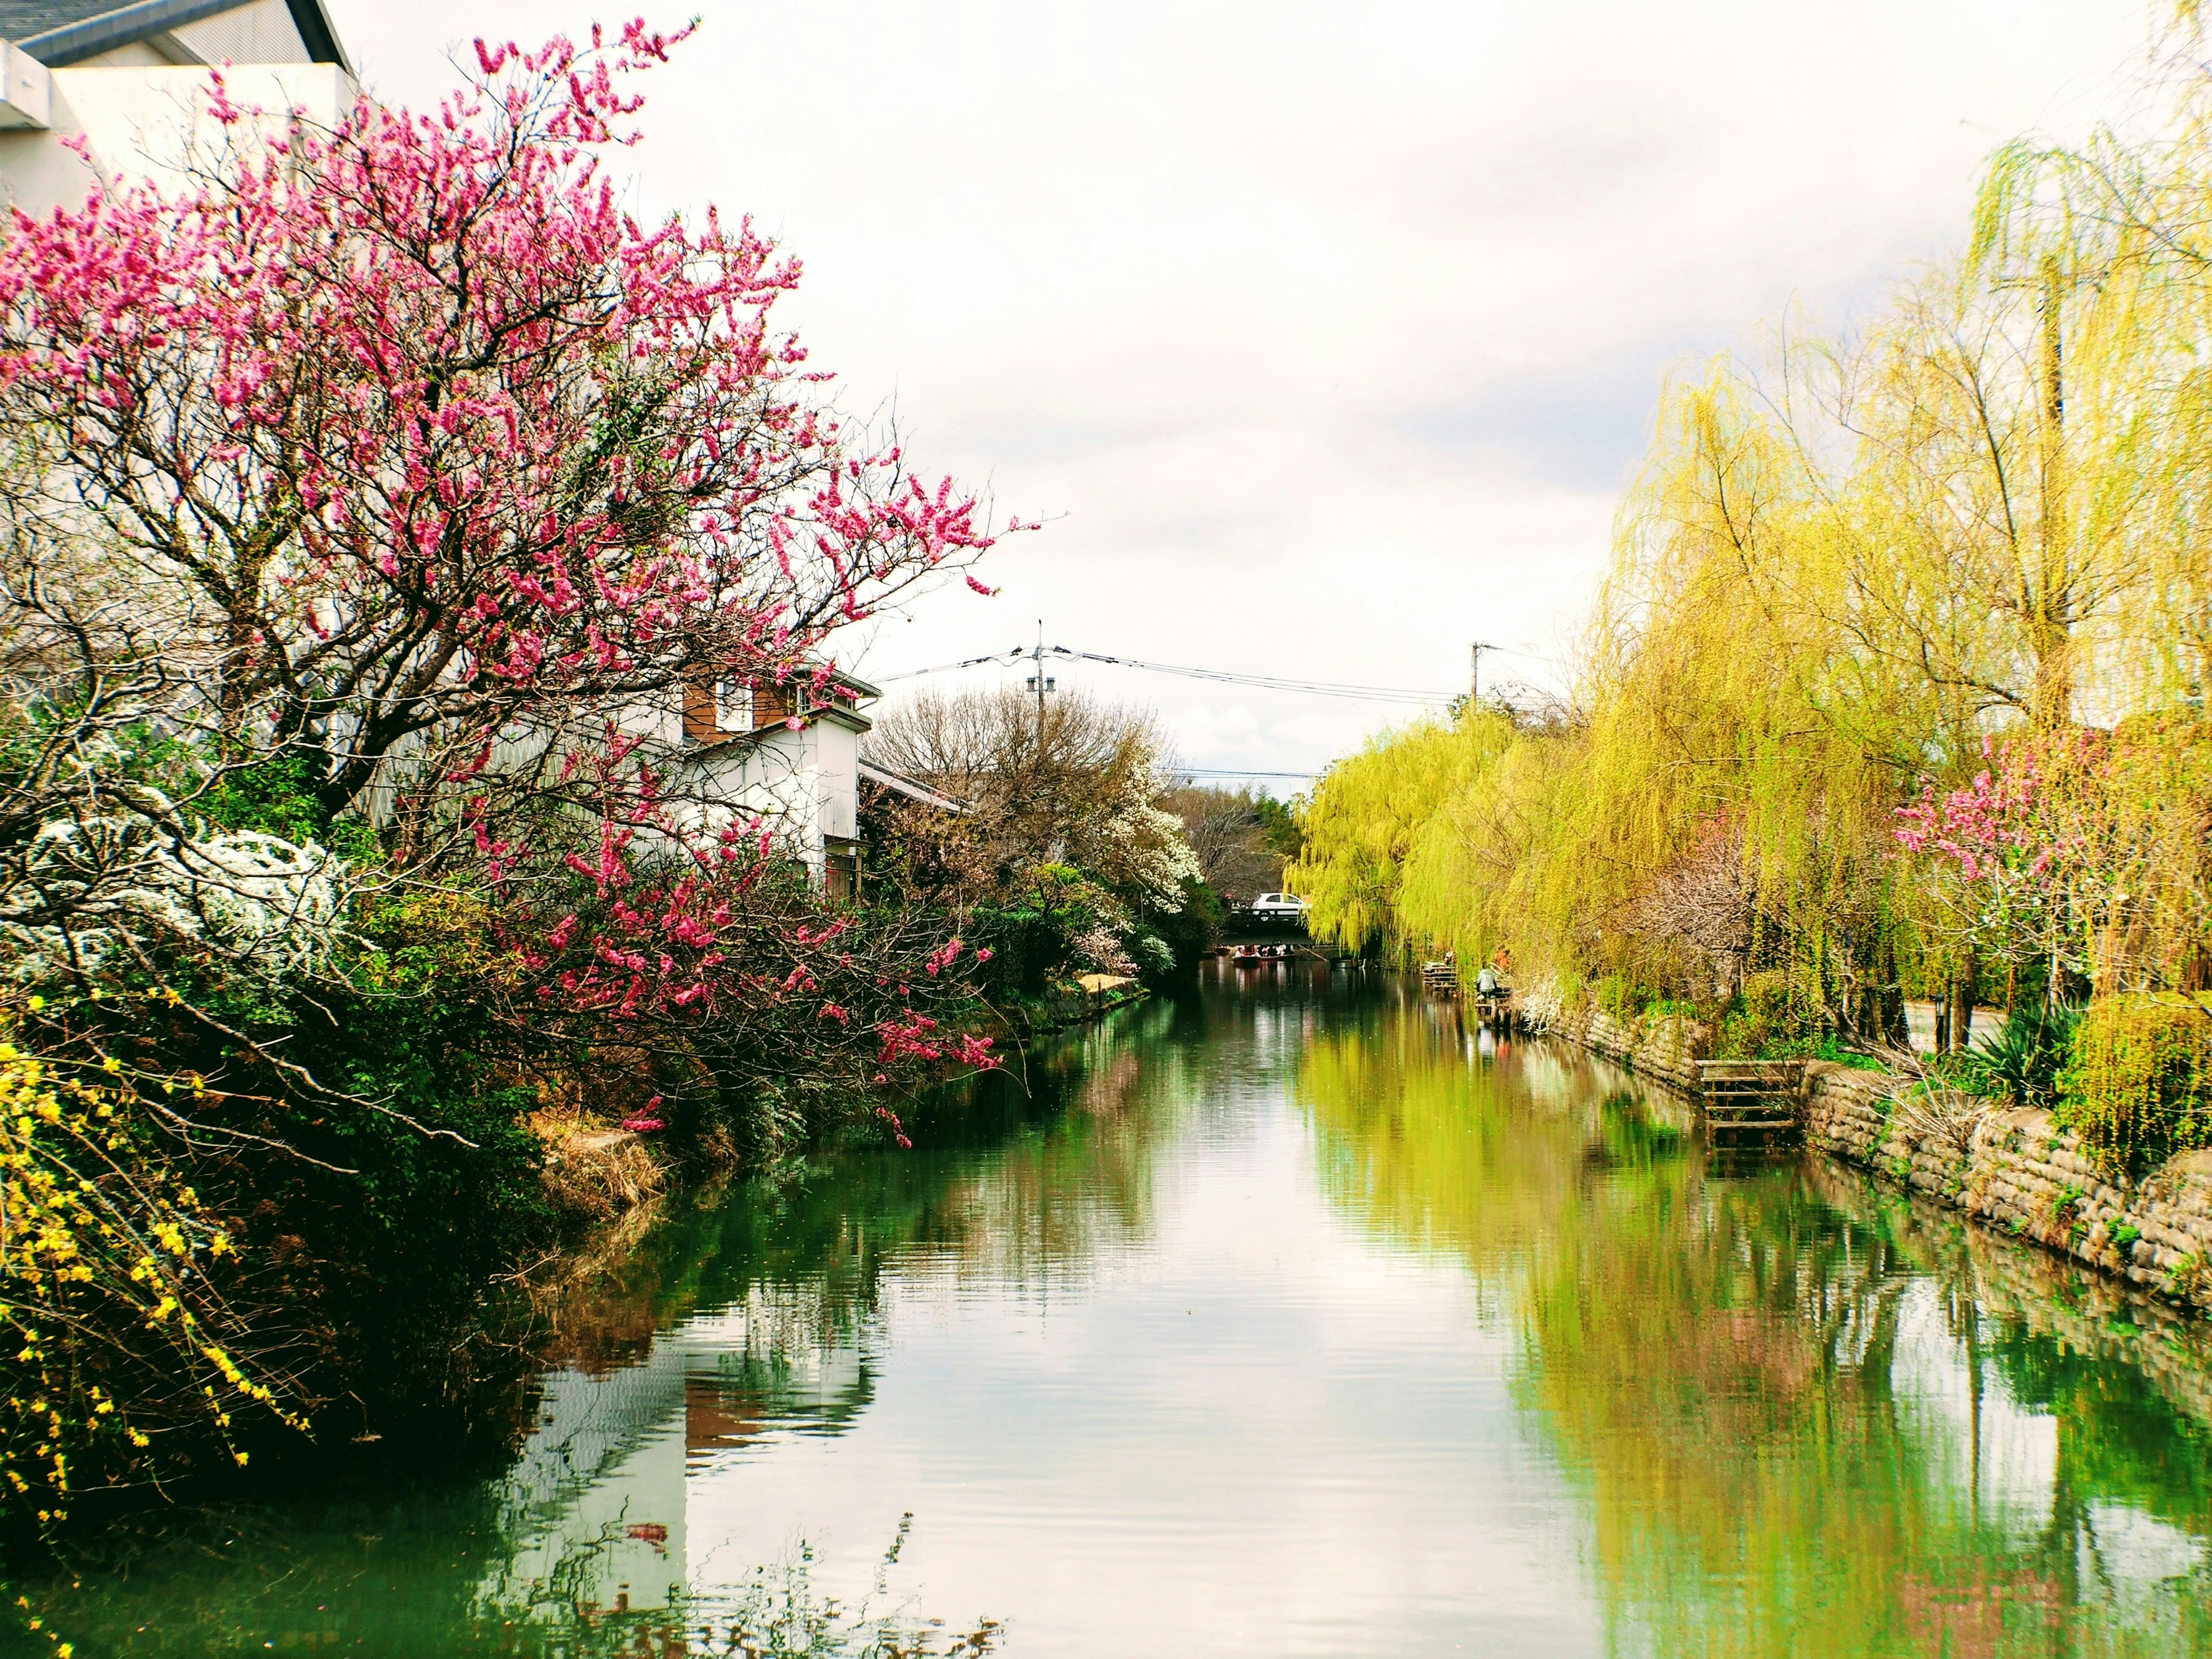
pixel 1323 337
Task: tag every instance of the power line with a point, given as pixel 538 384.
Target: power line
pixel 947 667
pixel 1265 682
pixel 1226 772
pixel 1221 676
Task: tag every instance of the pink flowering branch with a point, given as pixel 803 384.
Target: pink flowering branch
pixel 433 440
pixel 2042 857
pixel 419 460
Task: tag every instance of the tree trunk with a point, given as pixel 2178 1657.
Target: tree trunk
pixel 1962 1004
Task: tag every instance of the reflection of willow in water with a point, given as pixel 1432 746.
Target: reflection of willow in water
pixel 1800 1431
pixel 1424 1136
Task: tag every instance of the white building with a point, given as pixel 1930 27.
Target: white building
pixel 791 758
pixel 130 81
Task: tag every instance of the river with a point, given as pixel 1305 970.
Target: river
pixel 1283 1316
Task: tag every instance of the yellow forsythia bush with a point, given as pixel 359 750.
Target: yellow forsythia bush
pixel 2138 1086
pixel 115 1344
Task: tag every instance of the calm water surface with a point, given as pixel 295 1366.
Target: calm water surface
pixel 1290 1317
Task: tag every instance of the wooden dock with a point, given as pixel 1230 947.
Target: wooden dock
pixel 1440 979
pixel 1744 1097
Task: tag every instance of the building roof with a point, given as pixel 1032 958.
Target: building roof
pixel 899 784
pixel 59 33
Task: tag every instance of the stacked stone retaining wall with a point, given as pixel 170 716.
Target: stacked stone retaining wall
pixel 1666 1049
pixel 2018 1171
pixel 2015 1171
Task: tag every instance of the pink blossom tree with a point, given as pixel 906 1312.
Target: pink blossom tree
pixel 371 505
pixel 404 456
pixel 2079 852
pixel 409 434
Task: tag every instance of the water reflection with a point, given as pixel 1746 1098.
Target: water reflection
pixel 1293 1316
pixel 1806 1417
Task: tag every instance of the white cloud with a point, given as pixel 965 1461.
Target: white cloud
pixel 1324 334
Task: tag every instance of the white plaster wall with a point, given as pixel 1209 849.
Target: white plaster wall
pixel 147 121
pixel 659 719
pixel 773 779
pixel 138 54
pixel 806 785
pixel 837 771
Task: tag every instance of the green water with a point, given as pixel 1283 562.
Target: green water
pixel 1289 1317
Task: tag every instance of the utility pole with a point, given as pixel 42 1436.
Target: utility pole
pixel 1474 672
pixel 1039 684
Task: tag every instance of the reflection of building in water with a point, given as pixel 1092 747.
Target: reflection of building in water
pixel 597 1500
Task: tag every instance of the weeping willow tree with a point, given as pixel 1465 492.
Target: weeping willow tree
pixel 1721 719
pixel 1847 573
pixel 1364 820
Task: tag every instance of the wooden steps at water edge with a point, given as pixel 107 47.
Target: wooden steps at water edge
pixel 1751 1097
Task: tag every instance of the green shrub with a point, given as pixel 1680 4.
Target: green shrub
pixel 1154 957
pixel 1819 1045
pixel 2137 1085
pixel 1619 995
pixel 2022 1059
pixel 1038 930
pixel 1188 933
pixel 1767 1020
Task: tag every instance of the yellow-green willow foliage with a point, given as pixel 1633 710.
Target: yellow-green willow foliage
pixel 1369 810
pixel 1840 573
pixel 1707 708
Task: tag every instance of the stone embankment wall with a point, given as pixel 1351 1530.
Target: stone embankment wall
pixel 1071 1005
pixel 2014 1171
pixel 1667 1049
pixel 2018 1171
